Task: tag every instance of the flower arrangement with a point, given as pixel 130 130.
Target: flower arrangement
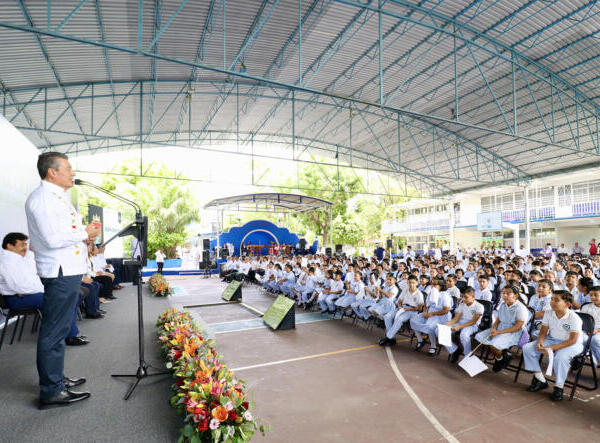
pixel 214 403
pixel 159 286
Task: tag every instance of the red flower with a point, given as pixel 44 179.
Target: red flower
pixel 232 415
pixel 245 405
pixel 203 425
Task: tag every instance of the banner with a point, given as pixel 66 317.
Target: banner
pixel 96 214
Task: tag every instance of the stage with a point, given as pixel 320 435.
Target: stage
pixel 326 380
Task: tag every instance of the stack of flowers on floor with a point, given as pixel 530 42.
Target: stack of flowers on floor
pixel 213 402
pixel 159 286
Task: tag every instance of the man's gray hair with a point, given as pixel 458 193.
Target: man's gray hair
pixel 48 160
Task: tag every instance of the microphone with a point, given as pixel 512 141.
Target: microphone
pixel 138 210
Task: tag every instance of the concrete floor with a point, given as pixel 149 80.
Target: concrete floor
pixel 325 381
pixel 339 387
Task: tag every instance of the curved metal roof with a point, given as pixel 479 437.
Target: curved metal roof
pixel 444 94
pixel 269 202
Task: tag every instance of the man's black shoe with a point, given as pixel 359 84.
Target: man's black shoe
pixel 76 341
pixel 112 297
pixel 382 341
pixel 96 315
pixel 557 394
pixel 390 342
pixel 454 356
pixel 536 385
pixel 64 398
pixel 101 311
pixel 72 382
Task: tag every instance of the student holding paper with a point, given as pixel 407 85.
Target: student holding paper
pixel 410 304
pixel 465 323
pixel 437 310
pixel 561 334
pixel 507 329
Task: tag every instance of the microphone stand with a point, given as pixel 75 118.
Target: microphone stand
pixel 139 229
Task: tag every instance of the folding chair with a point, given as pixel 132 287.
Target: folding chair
pixel 20 314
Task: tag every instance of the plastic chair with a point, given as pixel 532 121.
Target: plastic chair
pixel 19 313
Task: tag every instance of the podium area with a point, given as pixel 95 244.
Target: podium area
pixel 327 380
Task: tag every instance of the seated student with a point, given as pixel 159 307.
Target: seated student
pixel 336 290
pixel 386 298
pixel 464 323
pixel 507 328
pixel 307 292
pixel 571 280
pixel 436 310
pixel 424 284
pixel 287 281
pixel 540 302
pixel 371 297
pixel 231 267
pixel 301 280
pixel 561 332
pixel 266 275
pixel 410 303
pixel 451 288
pixel 276 275
pixel 583 288
pixel 105 280
pixel 322 289
pixel 483 293
pixel 355 291
pixel 593 309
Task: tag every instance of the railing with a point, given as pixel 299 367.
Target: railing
pixel 583 209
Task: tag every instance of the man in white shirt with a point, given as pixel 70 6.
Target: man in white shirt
pixel 19 283
pixel 57 237
pixel 160 260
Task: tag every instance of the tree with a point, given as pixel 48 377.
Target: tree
pixel 322 182
pixel 165 199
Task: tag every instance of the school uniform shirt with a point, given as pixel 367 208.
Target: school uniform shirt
pixel 561 328
pixel 411 299
pixel 468 312
pixel 290 276
pixel 244 268
pixel 56 232
pixel 311 282
pixel 18 275
pixel 510 315
pixel 594 311
pixel 540 304
pixel 483 294
pixel 337 286
pixel 453 292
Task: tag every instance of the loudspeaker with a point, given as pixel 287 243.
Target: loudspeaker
pixel 338 249
pixel 205 256
pixel 206 244
pixel 328 252
pixel 388 243
pixel 224 253
pixel 302 243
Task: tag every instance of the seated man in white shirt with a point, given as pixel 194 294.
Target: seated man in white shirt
pixel 19 282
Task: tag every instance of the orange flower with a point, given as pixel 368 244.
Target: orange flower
pixel 220 413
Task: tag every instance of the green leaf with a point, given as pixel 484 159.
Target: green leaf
pixel 188 431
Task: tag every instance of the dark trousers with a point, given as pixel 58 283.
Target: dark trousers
pixel 60 301
pixel 160 266
pixel 106 285
pixel 27 301
pixel 91 297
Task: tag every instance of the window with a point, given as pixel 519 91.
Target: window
pixel 519 200
pixel 486 204
pixel 546 197
pixel 580 192
pixel 507 202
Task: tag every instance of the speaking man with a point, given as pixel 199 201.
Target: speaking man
pixel 58 238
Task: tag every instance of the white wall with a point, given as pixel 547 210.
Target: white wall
pixel 468 238
pixel 582 234
pixel 17 179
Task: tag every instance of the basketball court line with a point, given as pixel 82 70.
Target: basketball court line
pixel 417 401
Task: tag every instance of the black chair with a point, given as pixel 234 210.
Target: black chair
pixel 461 285
pixel 585 358
pixel 20 314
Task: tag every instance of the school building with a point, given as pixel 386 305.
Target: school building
pixel 561 209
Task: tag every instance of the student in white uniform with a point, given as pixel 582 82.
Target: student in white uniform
pixel 436 311
pixel 409 304
pixel 288 280
pixel 387 294
pixel 355 291
pixel 593 309
pixel 322 290
pixel 465 323
pixel 451 288
pixel 561 332
pixel 507 328
pixel 483 293
pixel 371 297
pixel 540 302
pixel 335 291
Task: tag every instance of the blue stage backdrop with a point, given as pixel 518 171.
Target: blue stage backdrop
pixel 257 232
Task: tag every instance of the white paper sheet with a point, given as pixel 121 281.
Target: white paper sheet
pixel 444 335
pixel 550 362
pixel 472 365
